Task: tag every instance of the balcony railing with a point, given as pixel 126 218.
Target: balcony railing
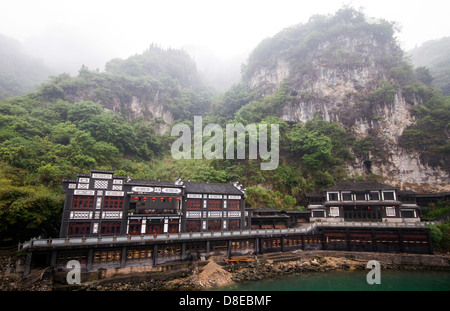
pixel 123 239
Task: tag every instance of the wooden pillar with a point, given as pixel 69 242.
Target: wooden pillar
pixel 256 246
pixel 347 237
pixel 53 258
pixel 183 251
pixel 123 259
pixel 229 248
pixel 322 237
pixel 430 243
pixel 282 243
pixel 373 241
pixel 208 247
pixel 400 242
pixel 90 259
pixel 155 254
pixel 27 268
pixel 303 242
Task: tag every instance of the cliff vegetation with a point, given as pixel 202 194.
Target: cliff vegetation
pixel 339 86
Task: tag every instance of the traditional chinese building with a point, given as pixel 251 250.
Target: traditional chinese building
pixel 112 222
pixel 102 203
pixel 363 201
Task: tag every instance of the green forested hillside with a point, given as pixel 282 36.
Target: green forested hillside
pixel 435 56
pixel 73 124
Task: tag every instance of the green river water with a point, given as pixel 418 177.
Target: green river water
pixel 391 280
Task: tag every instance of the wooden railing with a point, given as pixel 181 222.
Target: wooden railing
pixel 305 228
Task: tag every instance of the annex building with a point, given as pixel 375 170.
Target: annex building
pixel 363 201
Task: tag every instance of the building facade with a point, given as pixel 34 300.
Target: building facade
pixel 363 201
pixel 102 203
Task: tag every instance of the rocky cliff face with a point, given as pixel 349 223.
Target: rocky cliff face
pixel 159 86
pixel 117 98
pixel 348 79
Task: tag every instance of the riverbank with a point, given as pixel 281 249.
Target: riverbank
pixel 216 273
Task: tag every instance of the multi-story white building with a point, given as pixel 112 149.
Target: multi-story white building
pixel 363 201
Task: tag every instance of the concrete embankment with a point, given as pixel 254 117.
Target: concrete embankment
pixel 214 272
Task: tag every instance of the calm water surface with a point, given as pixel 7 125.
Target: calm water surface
pixel 391 280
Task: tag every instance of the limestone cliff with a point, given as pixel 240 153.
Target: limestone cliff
pixel 158 86
pixel 349 69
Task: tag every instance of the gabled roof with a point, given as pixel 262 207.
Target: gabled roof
pixel 152 183
pixel 360 186
pixel 214 188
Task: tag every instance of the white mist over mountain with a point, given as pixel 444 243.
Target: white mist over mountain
pixel 68 34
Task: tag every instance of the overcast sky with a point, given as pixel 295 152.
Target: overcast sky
pixel 103 29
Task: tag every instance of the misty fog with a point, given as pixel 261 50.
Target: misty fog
pixel 218 35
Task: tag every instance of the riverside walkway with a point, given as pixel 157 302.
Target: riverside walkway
pixel 125 239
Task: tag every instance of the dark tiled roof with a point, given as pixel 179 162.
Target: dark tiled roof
pixel 359 186
pixel 83 175
pixel 266 210
pixel 314 194
pixel 215 188
pixel 153 183
pixel 103 171
pixel 69 180
pixel 406 192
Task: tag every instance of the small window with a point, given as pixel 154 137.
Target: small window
pixel 408 214
pixel 83 202
pixel 113 203
pixel 390 211
pixel 192 225
pixel 318 213
pixel 214 225
pixel 346 196
pixel 360 196
pixel 333 196
pixel 234 224
pixel 193 204
pixel 234 205
pixel 334 211
pixel 215 204
pixel 374 196
pixel 388 195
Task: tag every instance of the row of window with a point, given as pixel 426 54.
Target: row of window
pixel 213 225
pixel 154 226
pixel 372 196
pixel 390 210
pixel 87 202
pixel 84 228
pixel 192 204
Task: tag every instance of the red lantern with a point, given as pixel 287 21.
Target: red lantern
pixel 178 199
pixel 153 199
pixel 162 199
pixel 368 207
pixel 170 199
pixel 144 198
pixel 136 198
